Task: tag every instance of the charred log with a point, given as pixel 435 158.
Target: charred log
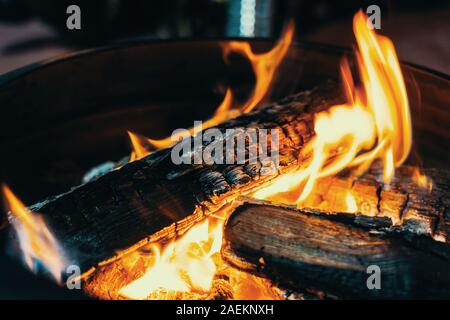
pixel 153 198
pixel 379 211
pixel 335 255
pixel 403 205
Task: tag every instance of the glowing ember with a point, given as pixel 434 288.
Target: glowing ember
pixel 374 124
pixel 36 241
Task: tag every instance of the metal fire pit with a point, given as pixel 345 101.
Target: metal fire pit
pixel 62 117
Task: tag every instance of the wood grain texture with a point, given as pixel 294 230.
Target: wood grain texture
pixel 330 254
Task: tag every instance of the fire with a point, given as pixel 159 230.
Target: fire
pixel 374 124
pixel 184 265
pixel 264 66
pixel 139 149
pixel 187 267
pixel 422 180
pixel 36 241
pixel 222 113
pixel 350 201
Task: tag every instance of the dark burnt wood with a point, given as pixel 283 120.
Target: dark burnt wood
pixel 308 250
pixel 382 209
pixel 153 198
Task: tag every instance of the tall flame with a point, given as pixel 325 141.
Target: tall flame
pixel 375 123
pixel 386 94
pixel 264 66
pixel 36 241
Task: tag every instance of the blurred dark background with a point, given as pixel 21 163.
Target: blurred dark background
pixel 34 30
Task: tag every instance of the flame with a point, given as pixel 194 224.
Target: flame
pixel 185 265
pixel 264 64
pixel 350 201
pixel 264 67
pixel 36 241
pixel 375 123
pixel 139 148
pixel 222 113
pixel 422 180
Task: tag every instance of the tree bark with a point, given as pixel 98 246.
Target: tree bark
pixel 152 198
pixel 335 255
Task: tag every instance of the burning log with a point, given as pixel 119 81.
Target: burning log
pixel 379 208
pixel 153 198
pixel 406 204
pixel 335 255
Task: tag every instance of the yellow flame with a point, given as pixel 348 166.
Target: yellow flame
pixel 186 264
pixel 386 93
pixel 264 67
pixel 264 64
pixel 36 241
pixel 374 124
pixel 222 113
pixel 350 201
pixel 422 180
pixel 139 149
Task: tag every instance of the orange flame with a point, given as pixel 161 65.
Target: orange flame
pixel 184 265
pixel 374 124
pixel 36 241
pixel 222 114
pixel 139 149
pixel 422 180
pixel 264 64
pixel 264 67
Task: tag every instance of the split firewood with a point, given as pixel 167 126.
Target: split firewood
pixel 153 198
pixel 404 204
pixel 337 256
pixel 379 209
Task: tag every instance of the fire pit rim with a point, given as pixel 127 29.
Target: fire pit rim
pixel 20 72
